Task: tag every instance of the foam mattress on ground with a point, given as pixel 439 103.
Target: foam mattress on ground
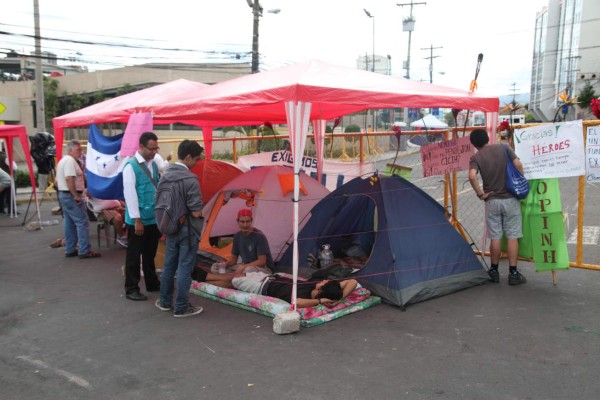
pixel 358 300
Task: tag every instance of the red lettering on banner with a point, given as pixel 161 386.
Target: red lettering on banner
pixel 544 203
pixel 552 254
pixel 546 239
pixel 550 148
pixel 545 219
pixel 542 183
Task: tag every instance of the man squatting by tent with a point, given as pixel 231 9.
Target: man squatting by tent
pixel 251 245
pixel 254 274
pixel 182 245
pixel 502 209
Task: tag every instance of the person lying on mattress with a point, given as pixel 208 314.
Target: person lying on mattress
pixel 249 244
pixel 309 293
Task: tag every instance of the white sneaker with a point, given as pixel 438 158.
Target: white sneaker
pixel 122 241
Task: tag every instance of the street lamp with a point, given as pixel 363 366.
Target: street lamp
pixel 372 18
pixel 257 13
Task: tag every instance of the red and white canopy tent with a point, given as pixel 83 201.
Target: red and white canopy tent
pixel 120 108
pixel 8 133
pixel 303 93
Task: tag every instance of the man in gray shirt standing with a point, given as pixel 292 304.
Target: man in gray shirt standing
pixel 182 245
pixel 502 209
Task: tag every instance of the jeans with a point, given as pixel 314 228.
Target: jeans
pixel 180 258
pixel 76 224
pixel 144 246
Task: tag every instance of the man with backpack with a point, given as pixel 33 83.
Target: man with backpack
pixel 178 215
pixel 502 209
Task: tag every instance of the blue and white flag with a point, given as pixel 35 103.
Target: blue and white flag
pixel 104 165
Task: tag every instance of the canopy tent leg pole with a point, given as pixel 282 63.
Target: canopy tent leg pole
pixel 298 114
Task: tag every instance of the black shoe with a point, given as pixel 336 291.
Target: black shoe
pixel 515 278
pixel 189 311
pixel 136 296
pixel 73 254
pixel 90 254
pixel 154 289
pixel 162 306
pixel 494 275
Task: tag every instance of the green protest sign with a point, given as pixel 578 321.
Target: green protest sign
pixel 544 237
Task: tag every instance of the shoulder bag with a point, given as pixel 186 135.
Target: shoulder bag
pixel 516 183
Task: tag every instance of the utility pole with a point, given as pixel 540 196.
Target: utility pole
pixel 257 13
pixel 408 25
pixel 372 18
pixel 514 90
pixel 430 58
pixel 39 77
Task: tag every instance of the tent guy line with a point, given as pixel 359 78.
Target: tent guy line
pixel 373 231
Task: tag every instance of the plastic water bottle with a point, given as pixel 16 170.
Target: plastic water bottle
pixel 50 222
pixel 326 256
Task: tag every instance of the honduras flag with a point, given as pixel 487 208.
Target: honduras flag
pixel 104 165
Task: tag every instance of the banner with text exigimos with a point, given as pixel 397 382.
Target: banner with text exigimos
pixel 547 151
pixel 544 237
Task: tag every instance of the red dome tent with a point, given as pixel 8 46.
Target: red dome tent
pixel 213 175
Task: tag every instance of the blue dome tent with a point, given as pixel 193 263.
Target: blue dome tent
pixel 415 254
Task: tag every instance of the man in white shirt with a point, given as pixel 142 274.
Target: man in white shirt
pixel 6 182
pixel 71 184
pixel 140 178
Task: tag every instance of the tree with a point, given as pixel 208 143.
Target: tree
pixel 51 100
pixel 352 128
pixel 586 94
pixel 529 118
pixel 99 96
pixel 75 102
pixel 126 88
pixel 449 118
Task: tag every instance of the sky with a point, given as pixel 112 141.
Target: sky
pixel 129 32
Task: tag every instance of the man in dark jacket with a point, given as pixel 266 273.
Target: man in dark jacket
pixel 502 209
pixel 181 246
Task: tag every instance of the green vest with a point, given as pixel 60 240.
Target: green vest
pixel 146 192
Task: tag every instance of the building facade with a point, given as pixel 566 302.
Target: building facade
pixel 566 56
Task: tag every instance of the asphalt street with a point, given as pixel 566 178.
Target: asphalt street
pixel 67 332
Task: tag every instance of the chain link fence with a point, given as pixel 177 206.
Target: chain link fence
pixel 385 150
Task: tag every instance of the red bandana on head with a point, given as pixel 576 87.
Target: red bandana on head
pixel 245 212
